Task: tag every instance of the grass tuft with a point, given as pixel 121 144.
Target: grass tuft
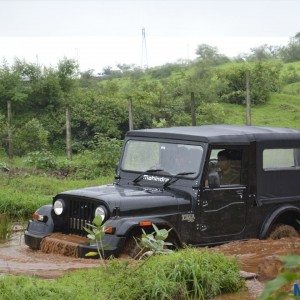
pixel 186 274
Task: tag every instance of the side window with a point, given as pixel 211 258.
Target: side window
pixel 228 164
pixel 281 159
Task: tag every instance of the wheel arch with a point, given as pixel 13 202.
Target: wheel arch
pixel 287 214
pixel 134 229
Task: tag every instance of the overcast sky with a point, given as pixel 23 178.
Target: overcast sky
pixel 108 32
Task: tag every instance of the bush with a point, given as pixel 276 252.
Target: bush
pixel 290 75
pixel 31 137
pixel 210 113
pixel 264 79
pixel 43 160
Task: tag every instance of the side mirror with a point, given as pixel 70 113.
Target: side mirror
pixel 214 180
pixel 117 176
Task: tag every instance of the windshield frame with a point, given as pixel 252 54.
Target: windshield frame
pixel 171 141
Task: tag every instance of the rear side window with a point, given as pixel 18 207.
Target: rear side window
pixel 274 159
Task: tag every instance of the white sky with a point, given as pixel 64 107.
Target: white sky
pixel 108 32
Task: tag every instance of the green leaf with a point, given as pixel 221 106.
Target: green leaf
pixel 98 221
pixel 291 261
pixel 91 237
pixel 88 230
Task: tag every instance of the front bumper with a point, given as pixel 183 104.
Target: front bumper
pixel 113 244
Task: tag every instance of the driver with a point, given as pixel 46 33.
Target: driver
pixel 228 173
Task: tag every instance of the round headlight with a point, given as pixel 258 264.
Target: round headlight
pixel 101 212
pixel 58 207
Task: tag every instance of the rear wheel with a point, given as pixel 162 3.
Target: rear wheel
pixel 282 231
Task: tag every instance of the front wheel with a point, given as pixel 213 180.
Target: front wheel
pixel 282 231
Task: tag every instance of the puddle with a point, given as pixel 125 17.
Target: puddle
pixel 17 258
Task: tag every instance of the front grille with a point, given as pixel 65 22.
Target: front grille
pixel 81 212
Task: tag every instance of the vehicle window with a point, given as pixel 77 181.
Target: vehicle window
pixel 228 164
pixel 281 158
pixel 173 158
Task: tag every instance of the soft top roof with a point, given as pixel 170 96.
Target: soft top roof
pixel 220 134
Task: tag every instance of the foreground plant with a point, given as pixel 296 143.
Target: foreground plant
pixel 5 227
pixel 154 242
pixel 96 234
pixel 288 280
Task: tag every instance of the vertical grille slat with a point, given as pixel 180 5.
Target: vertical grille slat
pixel 80 213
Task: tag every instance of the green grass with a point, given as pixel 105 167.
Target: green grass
pixel 292 89
pixel 188 273
pixel 282 110
pixel 22 194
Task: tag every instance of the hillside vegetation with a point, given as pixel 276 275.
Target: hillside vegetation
pixel 47 111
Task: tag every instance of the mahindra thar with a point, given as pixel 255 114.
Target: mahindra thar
pixel 208 184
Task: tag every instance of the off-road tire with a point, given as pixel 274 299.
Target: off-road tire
pixel 282 231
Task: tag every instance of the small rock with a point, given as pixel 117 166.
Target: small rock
pixel 248 275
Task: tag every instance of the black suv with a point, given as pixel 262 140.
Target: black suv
pixel 210 184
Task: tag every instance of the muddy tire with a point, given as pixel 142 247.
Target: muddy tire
pixel 283 231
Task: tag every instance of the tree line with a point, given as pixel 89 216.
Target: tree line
pixel 59 108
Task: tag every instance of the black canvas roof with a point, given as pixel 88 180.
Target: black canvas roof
pixel 218 134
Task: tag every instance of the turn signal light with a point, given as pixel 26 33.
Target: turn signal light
pixel 145 223
pixel 109 230
pixel 37 217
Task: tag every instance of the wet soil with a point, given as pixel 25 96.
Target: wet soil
pixel 257 256
pixel 261 256
pixel 17 258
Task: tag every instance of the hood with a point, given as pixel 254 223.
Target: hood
pixel 134 200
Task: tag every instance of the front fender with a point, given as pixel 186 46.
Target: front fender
pixel 125 225
pixel 272 218
pixel 42 228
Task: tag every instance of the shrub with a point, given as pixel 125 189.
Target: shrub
pixel 31 137
pixel 43 160
pixel 264 79
pixel 290 75
pixel 5 227
pixel 210 113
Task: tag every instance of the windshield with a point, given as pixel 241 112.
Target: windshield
pixel 172 158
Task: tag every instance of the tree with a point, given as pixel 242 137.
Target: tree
pixel 291 52
pixel 67 72
pixel 12 91
pixel 264 52
pixel 210 54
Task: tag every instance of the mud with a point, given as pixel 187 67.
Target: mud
pixel 261 256
pixel 255 256
pixel 17 258
pixel 62 244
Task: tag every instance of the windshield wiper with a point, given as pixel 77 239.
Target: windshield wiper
pixel 140 177
pixel 174 179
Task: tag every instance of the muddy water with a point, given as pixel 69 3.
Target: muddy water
pixel 261 256
pixel 17 258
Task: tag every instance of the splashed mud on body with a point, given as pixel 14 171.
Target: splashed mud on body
pixel 62 244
